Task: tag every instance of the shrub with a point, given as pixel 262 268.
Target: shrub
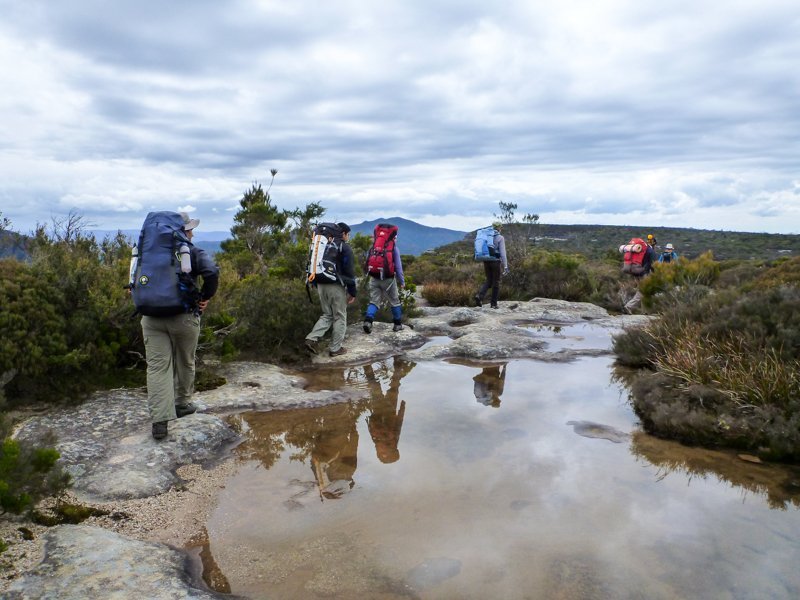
pixel 67 316
pixel 27 473
pixel 550 275
pixel 273 317
pixel 727 365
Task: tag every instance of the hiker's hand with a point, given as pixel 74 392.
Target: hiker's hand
pixel 202 305
pixel 350 299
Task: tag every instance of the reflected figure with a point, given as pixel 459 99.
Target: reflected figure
pixel 334 453
pixel 386 417
pixel 489 385
pixel 212 575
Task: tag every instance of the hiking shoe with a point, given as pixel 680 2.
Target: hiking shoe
pixel 397 327
pixel 494 305
pixel 159 430
pixel 312 346
pixel 367 326
pixel 338 352
pixel 185 409
pixel 477 299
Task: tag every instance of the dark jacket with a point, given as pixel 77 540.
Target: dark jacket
pixel 648 260
pixel 347 272
pixel 204 266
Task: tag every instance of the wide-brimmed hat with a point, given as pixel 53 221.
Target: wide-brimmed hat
pixel 669 247
pixel 188 222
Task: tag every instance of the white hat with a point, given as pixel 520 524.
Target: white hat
pixel 189 223
pixel 669 247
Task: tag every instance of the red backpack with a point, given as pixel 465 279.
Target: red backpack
pixel 380 260
pixel 634 252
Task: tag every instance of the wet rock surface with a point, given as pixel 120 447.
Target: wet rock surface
pixel 88 563
pixel 477 333
pixel 107 446
pixel 599 431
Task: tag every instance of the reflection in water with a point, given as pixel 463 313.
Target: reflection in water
pixel 386 418
pixel 489 385
pixel 779 484
pixel 325 438
pixel 212 574
pixel 504 503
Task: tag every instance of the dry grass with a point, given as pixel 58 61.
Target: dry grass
pixel 456 293
pixel 750 377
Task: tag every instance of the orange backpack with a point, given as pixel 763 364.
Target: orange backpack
pixel 633 256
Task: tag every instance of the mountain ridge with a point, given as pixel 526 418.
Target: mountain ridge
pixel 413 238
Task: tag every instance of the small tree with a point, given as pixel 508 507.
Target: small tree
pixel 259 231
pixel 519 237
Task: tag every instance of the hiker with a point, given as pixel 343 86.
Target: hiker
pixel 489 384
pixel 638 263
pixel 170 339
pixel 652 241
pixel 493 256
pixel 385 272
pixel 668 255
pixel 334 296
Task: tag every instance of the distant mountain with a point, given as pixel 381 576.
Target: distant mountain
pixel 412 237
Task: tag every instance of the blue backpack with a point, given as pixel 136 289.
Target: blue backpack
pixel 484 245
pixel 158 285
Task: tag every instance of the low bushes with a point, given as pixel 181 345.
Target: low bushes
pixel 723 366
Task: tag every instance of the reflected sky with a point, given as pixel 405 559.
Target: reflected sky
pixel 492 500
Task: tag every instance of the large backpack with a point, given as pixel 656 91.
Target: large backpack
pixel 484 245
pixel 158 285
pixel 380 259
pixel 323 254
pixel 633 256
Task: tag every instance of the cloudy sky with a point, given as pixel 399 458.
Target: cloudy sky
pixel 681 113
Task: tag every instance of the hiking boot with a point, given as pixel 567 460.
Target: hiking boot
pixel 397 327
pixel 185 409
pixel 338 352
pixel 494 305
pixel 477 299
pixel 367 326
pixel 312 346
pixel 159 430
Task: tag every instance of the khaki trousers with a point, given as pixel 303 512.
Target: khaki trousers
pixel 333 300
pixel 170 344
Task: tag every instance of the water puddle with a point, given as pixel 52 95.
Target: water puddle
pixel 578 336
pixel 522 479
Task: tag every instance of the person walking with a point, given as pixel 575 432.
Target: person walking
pixel 334 296
pixel 385 273
pixel 647 267
pixel 170 343
pixel 668 255
pixel 494 269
